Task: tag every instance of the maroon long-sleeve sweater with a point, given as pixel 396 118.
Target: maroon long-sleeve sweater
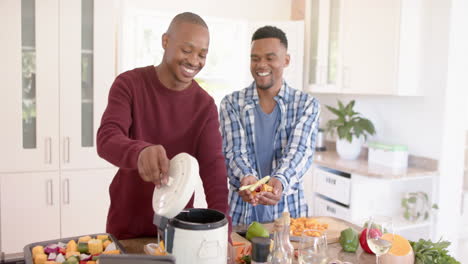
pixel 141 112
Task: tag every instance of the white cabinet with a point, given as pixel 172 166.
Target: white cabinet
pixel 85 201
pixel 322 69
pixel 354 198
pixel 334 185
pixel 57 67
pixel 30 209
pixel 29 72
pixel 364 47
pixel 42 206
pixel 87 70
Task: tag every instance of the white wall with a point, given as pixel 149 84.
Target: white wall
pixel 249 9
pixel 452 157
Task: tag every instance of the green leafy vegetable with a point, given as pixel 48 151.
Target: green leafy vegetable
pixel 246 259
pixel 427 252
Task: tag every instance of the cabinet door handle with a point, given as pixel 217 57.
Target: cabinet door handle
pixel 49 192
pixel 330 181
pixel 48 150
pixel 66 150
pixel 66 191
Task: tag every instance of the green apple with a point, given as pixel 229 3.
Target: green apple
pixel 256 230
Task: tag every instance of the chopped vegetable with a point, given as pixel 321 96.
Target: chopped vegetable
pixel 72 260
pixel 86 251
pixel 111 247
pixel 60 258
pixel 71 246
pixel 84 239
pixel 85 257
pixel 102 237
pixel 246 259
pixel 37 250
pixel 61 245
pixel 40 258
pixel 106 243
pixel 83 247
pixel 52 256
pixel 95 246
pixel 52 248
pixel 71 254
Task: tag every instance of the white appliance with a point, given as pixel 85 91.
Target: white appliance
pixel 193 235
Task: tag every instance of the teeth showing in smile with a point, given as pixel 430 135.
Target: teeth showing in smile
pixel 263 74
pixel 189 70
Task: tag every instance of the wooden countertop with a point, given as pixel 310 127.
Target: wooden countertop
pixel 417 166
pixel 335 252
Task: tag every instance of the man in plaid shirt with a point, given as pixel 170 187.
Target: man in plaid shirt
pixel 268 128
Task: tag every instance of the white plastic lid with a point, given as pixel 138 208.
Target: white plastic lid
pixel 171 199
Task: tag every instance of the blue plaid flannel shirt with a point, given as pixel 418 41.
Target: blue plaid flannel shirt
pixel 294 147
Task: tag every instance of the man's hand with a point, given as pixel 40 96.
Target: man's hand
pixel 153 165
pixel 271 198
pixel 246 195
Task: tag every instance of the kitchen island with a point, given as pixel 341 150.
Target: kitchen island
pixel 335 252
pixel 135 246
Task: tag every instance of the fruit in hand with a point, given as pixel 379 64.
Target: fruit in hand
pixel 262 188
pixel 256 230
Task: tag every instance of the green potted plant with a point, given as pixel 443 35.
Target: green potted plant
pixel 351 127
pixel 417 207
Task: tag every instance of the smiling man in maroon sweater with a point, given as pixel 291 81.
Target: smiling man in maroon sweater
pixel 153 114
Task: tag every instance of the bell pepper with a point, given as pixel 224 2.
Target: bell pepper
pixel 349 240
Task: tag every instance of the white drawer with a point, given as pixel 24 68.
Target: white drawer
pixel 334 186
pixel 323 207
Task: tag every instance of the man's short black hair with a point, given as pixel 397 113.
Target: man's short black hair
pixel 271 32
pixel 188 17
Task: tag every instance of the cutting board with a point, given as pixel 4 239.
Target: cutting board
pixel 335 226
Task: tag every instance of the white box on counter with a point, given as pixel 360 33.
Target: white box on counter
pixel 388 155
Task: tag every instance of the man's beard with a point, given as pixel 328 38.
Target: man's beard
pixel 267 86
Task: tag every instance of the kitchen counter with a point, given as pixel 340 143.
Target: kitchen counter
pixel 135 246
pixel 417 166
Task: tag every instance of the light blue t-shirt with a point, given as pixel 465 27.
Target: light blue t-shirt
pixel 265 128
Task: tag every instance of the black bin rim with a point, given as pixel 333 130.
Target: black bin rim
pixel 199 219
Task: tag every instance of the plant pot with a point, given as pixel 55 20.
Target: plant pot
pixel 347 150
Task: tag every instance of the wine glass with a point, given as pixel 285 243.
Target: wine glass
pixel 379 235
pixel 313 247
